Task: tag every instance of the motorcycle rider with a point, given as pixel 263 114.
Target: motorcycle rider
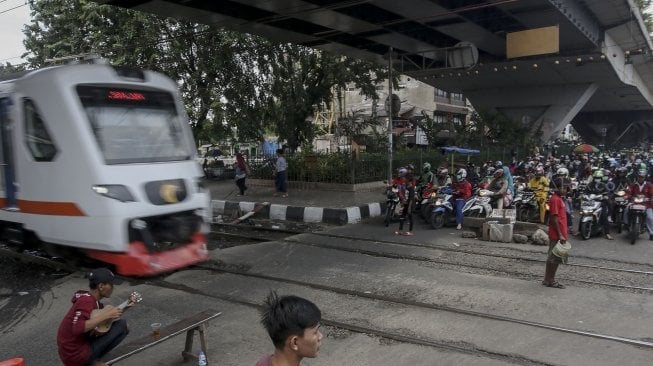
pixel 598 186
pixel 499 187
pixel 406 186
pixel 427 175
pixel 620 180
pixel 540 185
pixel 644 188
pixel 462 192
pixel 442 179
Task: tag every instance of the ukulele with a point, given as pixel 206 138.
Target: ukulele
pixel 104 327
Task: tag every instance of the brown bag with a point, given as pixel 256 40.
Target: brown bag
pixel 247 169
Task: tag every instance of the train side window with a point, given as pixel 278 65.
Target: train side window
pixel 37 136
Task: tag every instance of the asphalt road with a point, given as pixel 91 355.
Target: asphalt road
pixel 409 294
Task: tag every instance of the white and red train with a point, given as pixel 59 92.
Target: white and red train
pixel 101 160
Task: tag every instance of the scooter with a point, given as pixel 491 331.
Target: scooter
pixel 636 218
pixel 443 211
pixel 620 203
pixel 590 214
pixel 527 206
pixel 392 206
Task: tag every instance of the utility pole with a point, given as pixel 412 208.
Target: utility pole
pixel 390 116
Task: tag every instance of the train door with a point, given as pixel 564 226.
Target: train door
pixel 7 166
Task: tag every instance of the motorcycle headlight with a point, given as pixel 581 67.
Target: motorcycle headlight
pixel 115 191
pixel 438 202
pixel 621 193
pixel 433 194
pixel 638 199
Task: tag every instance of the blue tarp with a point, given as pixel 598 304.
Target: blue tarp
pixel 455 149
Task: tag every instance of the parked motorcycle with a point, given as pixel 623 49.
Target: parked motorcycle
pixel 636 218
pixel 590 214
pixel 526 206
pixel 392 206
pixel 620 203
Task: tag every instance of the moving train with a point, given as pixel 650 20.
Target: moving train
pixel 100 160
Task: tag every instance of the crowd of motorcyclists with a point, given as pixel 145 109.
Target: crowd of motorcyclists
pixel 603 190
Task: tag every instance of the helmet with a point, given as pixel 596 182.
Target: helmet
pixel 498 173
pixel 461 175
pixel 426 167
pixel 563 172
pixel 498 164
pixel 410 167
pixel 539 170
pixel 443 171
pixel 641 173
pixel 621 169
pixel 490 170
pixel 598 174
pixel 403 171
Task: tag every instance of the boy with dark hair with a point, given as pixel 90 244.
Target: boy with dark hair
pixel 77 342
pixel 293 324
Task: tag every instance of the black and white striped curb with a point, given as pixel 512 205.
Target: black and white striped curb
pixel 338 216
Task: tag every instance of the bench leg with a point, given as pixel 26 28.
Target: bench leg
pixel 187 353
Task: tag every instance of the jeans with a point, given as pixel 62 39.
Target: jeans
pixel 281 181
pixel 459 204
pixel 100 346
pixel 241 185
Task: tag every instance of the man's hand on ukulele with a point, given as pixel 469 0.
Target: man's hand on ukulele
pixel 113 312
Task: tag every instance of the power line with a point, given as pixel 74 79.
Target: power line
pixel 10 9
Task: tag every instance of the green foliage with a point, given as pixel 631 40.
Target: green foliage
pixel 8 69
pixel 233 84
pixel 646 16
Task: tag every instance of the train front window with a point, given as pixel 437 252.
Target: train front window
pixel 135 126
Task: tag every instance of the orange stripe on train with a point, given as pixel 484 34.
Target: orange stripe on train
pixel 49 208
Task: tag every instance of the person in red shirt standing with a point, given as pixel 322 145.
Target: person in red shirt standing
pixel 462 192
pixel 557 231
pixel 77 344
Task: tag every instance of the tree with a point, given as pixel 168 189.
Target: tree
pixel 8 69
pixel 231 83
pixel 643 6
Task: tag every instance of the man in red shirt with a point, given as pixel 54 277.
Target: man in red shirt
pixel 77 344
pixel 462 192
pixel 557 231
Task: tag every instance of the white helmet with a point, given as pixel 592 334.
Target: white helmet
pixel 461 175
pixel 563 172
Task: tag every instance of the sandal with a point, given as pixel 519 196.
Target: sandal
pixel 284 195
pixel 408 233
pixel 555 284
pixel 609 237
pixel 399 233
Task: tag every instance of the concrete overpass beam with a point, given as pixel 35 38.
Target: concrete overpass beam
pixel 550 108
pixel 580 17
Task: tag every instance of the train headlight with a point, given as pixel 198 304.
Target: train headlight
pixel 115 191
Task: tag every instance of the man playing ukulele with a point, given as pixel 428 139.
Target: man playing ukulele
pixel 78 343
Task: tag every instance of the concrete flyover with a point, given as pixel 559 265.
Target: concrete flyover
pixel 545 63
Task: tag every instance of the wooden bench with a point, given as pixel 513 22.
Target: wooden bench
pixel 188 325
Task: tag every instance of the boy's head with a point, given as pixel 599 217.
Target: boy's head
pixel 292 322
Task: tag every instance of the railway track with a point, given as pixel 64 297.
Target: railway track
pixel 369 330
pixel 217 266
pixel 638 280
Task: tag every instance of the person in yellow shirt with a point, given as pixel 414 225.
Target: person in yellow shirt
pixel 540 184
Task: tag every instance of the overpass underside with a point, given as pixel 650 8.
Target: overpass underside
pixel 597 60
pixel 615 129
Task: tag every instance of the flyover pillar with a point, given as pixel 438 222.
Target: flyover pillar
pixel 549 108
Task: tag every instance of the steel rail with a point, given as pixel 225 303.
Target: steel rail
pixel 420 304
pixel 442 247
